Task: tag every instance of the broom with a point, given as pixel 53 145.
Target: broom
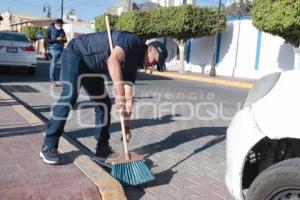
pixel 129 168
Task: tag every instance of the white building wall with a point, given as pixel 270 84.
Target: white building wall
pixel 246 51
pixel 167 3
pixel 73 28
pixel 200 54
pixel 229 48
pixel 181 2
pixel 241 54
pixel 5 23
pixel 276 55
pixel 160 2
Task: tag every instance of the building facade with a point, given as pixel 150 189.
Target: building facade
pixel 168 3
pixel 120 7
pixel 10 18
pixel 242 51
pixel 16 22
pixel 126 5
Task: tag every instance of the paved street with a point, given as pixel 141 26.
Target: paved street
pixel 178 125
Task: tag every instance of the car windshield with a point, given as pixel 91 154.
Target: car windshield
pixel 13 37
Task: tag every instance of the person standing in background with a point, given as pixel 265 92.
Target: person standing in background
pixel 55 39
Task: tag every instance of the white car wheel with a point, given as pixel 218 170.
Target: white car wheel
pixel 278 182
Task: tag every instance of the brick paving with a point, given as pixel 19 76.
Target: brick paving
pixel 23 175
pixel 186 156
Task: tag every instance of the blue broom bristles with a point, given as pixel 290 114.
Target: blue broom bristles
pixel 132 173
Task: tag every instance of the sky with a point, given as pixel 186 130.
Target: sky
pixel 85 9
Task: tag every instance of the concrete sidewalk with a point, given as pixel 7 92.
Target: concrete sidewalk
pixel 23 175
pixel 205 78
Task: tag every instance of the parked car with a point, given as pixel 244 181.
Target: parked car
pixel 263 141
pixel 17 51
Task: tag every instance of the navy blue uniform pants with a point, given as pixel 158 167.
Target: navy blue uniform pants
pixel 72 68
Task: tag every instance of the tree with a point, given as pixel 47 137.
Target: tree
pixel 180 23
pixel 240 8
pixel 1 18
pixel 31 32
pixel 281 18
pixel 100 22
pixel 132 21
pixel 184 22
pixel 137 22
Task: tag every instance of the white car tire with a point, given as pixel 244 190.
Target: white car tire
pixel 280 181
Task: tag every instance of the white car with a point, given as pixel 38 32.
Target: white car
pixel 263 141
pixel 17 51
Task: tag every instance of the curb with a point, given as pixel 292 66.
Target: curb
pixel 109 188
pixel 218 81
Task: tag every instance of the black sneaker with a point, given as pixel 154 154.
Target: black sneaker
pixel 103 150
pixel 50 155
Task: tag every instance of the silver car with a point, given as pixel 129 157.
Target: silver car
pixel 17 51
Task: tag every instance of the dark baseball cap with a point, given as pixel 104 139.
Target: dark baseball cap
pixel 59 21
pixel 163 54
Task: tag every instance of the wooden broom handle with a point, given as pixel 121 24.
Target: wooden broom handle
pixel 109 33
pixel 121 112
pixel 124 135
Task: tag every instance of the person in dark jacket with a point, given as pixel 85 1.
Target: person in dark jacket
pixel 85 62
pixel 55 39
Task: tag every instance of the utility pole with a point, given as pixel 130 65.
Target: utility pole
pixel 213 66
pixel 130 5
pixel 62 9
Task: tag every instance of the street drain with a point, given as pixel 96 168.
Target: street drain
pixel 20 89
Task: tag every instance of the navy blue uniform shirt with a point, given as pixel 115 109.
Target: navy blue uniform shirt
pixel 52 34
pixel 94 51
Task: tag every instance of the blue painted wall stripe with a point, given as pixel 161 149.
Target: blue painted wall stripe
pixel 219 39
pixel 188 51
pixel 258 47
